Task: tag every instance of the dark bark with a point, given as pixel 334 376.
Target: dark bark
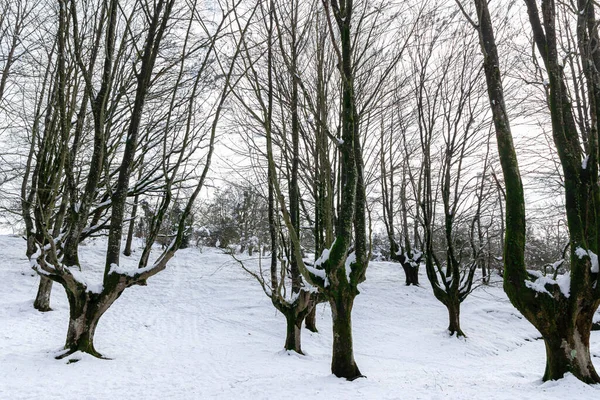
pixel 410 263
pixel 42 299
pixel 80 207
pixel 568 351
pixel 454 319
pixel 85 310
pixel 564 322
pixel 342 363
pixel 311 318
pixel 131 228
pixel 412 274
pixel 294 313
pixel 293 338
pixel 156 30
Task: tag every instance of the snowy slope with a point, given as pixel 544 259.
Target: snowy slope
pixel 203 329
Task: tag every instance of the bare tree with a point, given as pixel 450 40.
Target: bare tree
pixel 452 133
pixel 561 311
pixel 120 132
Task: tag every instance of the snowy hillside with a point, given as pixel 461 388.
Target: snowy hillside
pixel 203 329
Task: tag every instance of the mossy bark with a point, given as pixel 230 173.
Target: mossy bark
pixel 294 314
pixel 85 310
pixel 564 322
pixel 342 363
pixel 568 350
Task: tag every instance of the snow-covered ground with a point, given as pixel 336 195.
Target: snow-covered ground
pixel 203 329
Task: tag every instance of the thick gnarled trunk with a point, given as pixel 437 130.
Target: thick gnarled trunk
pixel 294 314
pixel 568 350
pixel 411 273
pixel 342 363
pixel 564 321
pixel 85 310
pixel 454 320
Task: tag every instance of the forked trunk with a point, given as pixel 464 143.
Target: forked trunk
pixel 85 310
pixel 570 352
pixel 342 363
pixel 412 274
pixel 42 300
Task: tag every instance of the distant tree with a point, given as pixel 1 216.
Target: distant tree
pixel 397 179
pixel 453 135
pixel 236 215
pixel 271 102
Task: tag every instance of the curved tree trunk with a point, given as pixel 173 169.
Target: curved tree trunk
pixel 564 321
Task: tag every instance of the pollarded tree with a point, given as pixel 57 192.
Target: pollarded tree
pixel 113 156
pixel 449 105
pixel 561 311
pixel 358 40
pixel 397 178
pixel 274 92
pixel 342 268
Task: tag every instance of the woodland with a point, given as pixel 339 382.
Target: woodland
pixel 456 140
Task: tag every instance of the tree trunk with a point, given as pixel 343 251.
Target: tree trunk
pixel 410 270
pixel 412 274
pixel 342 363
pixel 42 300
pixel 311 318
pixel 569 351
pixel 570 354
pixel 131 229
pixel 454 320
pixel 85 310
pixel 293 339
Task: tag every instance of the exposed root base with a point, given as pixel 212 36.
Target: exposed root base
pixel 458 335
pixel 70 352
pixel 356 377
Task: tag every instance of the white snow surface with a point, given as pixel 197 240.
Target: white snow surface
pixel 539 285
pixel 581 252
pixel 203 329
pixel 584 163
pixel 348 264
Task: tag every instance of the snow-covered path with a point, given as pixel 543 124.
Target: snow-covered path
pixel 203 329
